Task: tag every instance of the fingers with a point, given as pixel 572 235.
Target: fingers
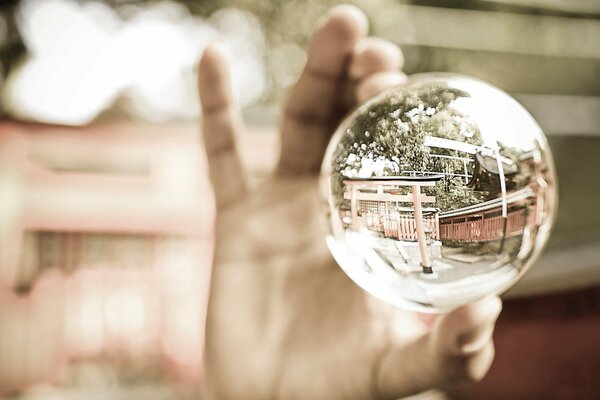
pixel 459 349
pixel 376 66
pixel 377 82
pixel 468 329
pixel 341 63
pixel 313 106
pixel 371 56
pixel 220 124
pixel 374 55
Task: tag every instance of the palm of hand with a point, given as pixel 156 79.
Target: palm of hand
pixel 288 306
pixel 284 321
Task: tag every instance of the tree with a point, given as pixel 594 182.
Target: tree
pixel 387 138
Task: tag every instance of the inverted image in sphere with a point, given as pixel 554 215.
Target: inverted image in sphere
pixel 438 192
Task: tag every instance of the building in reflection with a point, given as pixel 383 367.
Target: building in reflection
pixel 398 208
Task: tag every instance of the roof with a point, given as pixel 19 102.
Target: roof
pixel 490 164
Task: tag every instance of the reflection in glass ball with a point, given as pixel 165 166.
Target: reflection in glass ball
pixel 438 192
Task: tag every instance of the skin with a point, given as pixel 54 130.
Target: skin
pixel 284 322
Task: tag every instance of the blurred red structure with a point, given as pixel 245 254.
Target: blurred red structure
pixel 105 249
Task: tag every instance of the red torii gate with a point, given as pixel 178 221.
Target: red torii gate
pixel 381 189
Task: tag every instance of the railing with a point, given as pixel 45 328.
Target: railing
pixel 485 229
pixel 476 223
pixel 399 226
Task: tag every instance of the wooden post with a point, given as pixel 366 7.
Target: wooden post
pixel 353 208
pixel 421 238
pixel 504 202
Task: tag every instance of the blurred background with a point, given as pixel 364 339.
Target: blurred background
pixel 105 208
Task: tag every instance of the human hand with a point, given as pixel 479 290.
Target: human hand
pixel 284 321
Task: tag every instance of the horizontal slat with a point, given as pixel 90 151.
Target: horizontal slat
pixel 564 115
pixel 515 73
pixel 577 162
pixel 571 6
pixel 491 31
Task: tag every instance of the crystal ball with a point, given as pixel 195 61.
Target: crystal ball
pixel 438 193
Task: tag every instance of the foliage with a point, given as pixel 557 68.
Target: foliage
pixel 387 138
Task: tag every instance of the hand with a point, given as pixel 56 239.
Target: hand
pixel 284 322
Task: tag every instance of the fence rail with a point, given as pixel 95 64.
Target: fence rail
pixel 486 228
pixel 402 227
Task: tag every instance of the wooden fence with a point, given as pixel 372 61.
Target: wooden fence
pixel 485 228
pixel 401 227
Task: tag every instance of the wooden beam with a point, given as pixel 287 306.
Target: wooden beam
pixel 388 197
pixel 371 183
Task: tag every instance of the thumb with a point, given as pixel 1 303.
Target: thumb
pixel 458 349
pixel 466 330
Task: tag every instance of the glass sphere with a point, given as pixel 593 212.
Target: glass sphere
pixel 438 192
